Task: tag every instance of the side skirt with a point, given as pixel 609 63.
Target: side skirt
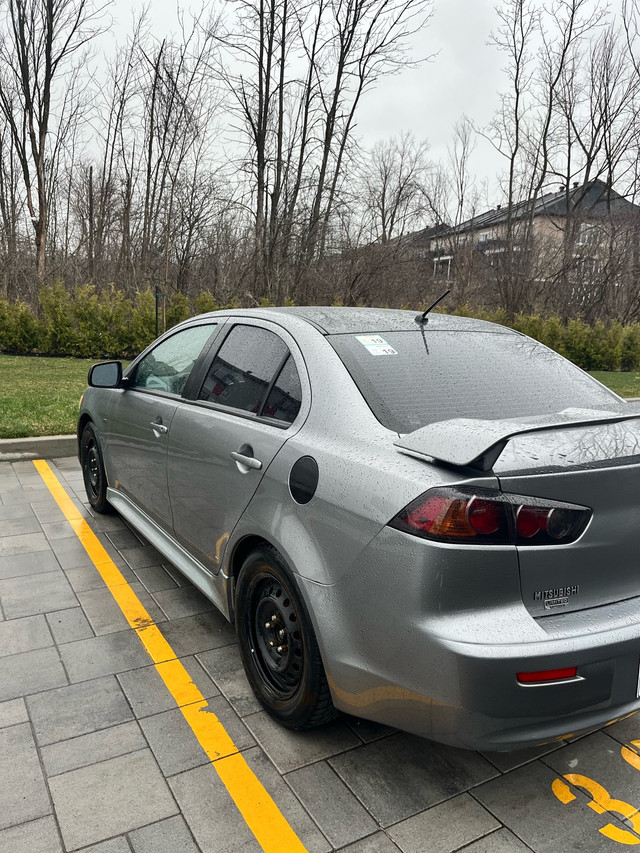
pixel 215 588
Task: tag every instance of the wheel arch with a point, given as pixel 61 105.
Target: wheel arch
pixel 246 546
pixel 249 543
pixel 240 552
pixel 293 545
pixel 84 419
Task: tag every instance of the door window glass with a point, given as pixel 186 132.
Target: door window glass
pixel 167 366
pixel 243 369
pixel 284 400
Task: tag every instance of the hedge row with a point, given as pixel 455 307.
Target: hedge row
pixel 91 323
pixel 602 346
pixel 95 324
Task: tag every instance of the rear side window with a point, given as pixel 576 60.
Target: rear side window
pixel 243 372
pixel 410 379
pixel 285 398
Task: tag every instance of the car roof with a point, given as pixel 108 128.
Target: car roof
pixel 336 320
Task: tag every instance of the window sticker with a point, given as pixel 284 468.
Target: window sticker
pixel 376 345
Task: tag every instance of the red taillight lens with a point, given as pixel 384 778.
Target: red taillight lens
pixel 545 675
pixel 485 516
pixel 531 520
pixel 481 516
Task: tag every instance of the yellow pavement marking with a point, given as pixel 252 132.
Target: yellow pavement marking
pixel 253 801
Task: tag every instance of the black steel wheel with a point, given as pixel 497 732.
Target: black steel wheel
pixel 95 478
pixel 278 646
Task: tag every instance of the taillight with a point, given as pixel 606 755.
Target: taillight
pixel 484 517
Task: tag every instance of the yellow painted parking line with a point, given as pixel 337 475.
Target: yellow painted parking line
pixel 253 801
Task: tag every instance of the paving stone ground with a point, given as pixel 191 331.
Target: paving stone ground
pixel 95 757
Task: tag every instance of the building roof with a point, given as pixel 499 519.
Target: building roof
pixel 595 198
pixel 422 238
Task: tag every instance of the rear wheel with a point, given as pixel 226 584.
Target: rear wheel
pixel 95 478
pixel 278 646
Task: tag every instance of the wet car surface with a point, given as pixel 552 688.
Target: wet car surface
pixel 407 521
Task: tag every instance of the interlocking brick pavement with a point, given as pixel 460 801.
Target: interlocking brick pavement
pixel 95 757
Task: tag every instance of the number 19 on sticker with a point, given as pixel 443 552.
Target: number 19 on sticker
pixel 376 345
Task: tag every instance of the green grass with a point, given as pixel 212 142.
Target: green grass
pixel 40 396
pixel 625 384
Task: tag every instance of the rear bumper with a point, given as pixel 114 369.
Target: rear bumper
pixel 467 728
pixel 483 706
pixel 478 702
pixel 393 656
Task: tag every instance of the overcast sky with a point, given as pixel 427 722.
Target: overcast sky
pixel 463 77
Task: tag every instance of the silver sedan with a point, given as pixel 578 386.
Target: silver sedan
pixel 427 521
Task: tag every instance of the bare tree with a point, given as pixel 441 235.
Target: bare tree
pixel 299 72
pixel 180 102
pixel 109 201
pixel 10 215
pixel 393 177
pixel 598 105
pixel 540 46
pixel 38 40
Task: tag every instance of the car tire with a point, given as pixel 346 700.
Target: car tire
pixel 278 646
pixel 93 473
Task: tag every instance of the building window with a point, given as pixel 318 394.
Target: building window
pixel 586 233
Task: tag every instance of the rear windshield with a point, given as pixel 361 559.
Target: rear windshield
pixel 414 378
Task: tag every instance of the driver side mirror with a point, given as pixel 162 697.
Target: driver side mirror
pixel 106 374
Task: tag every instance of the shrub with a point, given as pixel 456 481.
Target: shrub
pixel 630 347
pixel 88 322
pixel 117 311
pixel 177 310
pixel 593 347
pixel 59 335
pixel 142 323
pixel 205 302
pixel 20 330
pixel 553 334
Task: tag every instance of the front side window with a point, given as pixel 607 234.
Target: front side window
pixel 168 365
pixel 243 371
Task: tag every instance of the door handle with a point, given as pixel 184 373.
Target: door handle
pixel 158 429
pixel 249 461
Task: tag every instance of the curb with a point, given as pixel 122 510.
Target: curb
pixel 47 446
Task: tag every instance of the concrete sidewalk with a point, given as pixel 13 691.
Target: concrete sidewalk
pixel 95 756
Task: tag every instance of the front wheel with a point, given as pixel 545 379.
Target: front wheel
pixel 93 473
pixel 278 646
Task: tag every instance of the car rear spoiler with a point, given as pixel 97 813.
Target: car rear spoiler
pixel 475 443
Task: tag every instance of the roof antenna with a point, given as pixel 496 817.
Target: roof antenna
pixel 421 319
